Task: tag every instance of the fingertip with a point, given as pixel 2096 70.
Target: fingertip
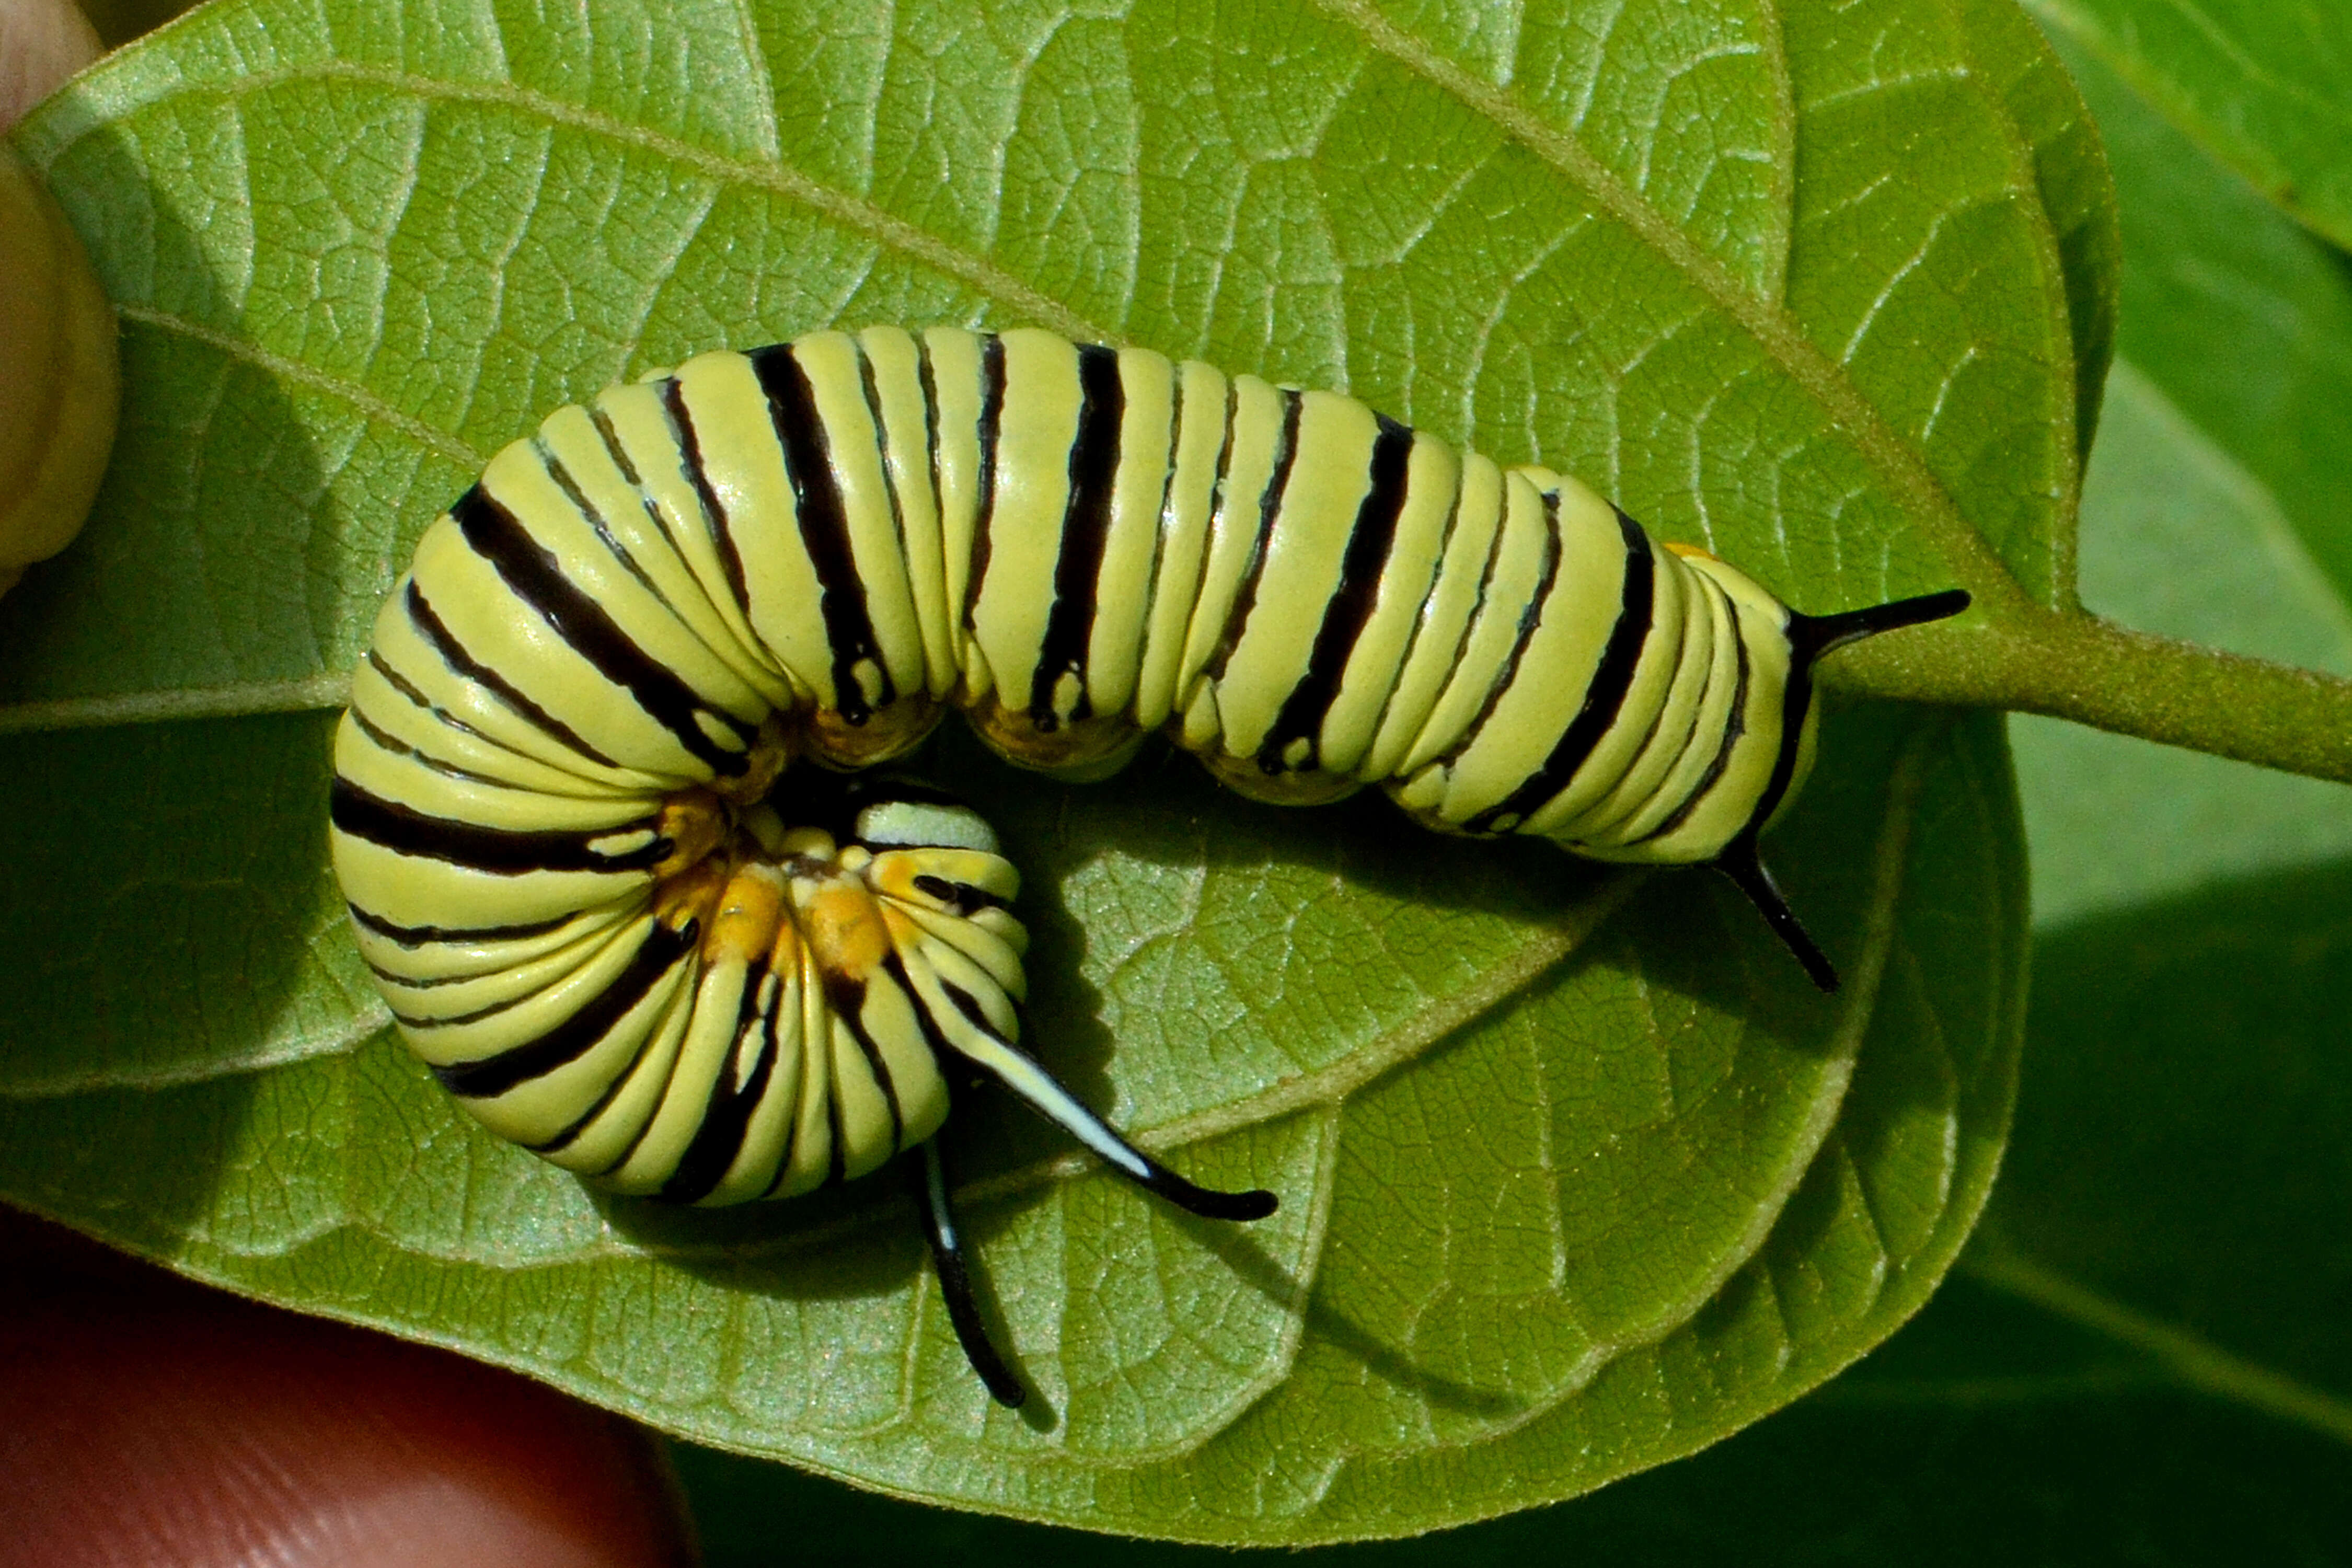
pixel 144 1419
pixel 42 42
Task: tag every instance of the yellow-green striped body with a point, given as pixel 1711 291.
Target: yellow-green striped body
pixel 549 815
pixel 1309 597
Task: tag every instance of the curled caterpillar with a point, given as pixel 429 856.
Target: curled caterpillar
pixel 556 813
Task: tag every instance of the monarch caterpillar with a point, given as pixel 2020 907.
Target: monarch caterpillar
pixel 554 814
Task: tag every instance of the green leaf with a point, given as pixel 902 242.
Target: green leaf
pixel 2214 510
pixel 1987 1431
pixel 2259 84
pixel 1578 1175
pixel 2242 319
pixel 2140 1357
pixel 2145 1338
pixel 2176 1190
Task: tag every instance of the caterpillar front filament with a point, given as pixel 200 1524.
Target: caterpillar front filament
pixel 557 814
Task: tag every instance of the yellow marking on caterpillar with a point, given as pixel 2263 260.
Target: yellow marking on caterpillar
pixel 749 911
pixel 843 926
pixel 690 894
pixel 695 823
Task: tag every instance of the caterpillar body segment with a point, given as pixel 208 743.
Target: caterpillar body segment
pixel 572 812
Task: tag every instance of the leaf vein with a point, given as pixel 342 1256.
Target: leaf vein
pixel 781 179
pixel 367 403
pixel 291 694
pixel 2194 1360
pixel 370 1018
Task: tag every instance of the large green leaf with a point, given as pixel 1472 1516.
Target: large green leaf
pixel 2259 83
pixel 1987 1431
pixel 1578 1175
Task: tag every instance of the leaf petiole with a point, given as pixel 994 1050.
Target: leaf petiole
pixel 2072 664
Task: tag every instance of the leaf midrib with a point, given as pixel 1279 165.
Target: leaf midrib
pixel 2191 1360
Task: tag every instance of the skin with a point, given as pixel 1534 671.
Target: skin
pixel 59 402
pixel 146 1419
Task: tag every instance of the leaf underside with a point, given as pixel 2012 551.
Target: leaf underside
pixel 1577 1173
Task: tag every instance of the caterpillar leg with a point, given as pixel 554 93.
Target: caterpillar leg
pixel 955 1285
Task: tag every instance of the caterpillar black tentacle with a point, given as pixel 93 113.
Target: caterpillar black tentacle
pixel 597 918
pixel 951 1264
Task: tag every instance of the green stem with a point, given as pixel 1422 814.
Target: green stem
pixel 2070 665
